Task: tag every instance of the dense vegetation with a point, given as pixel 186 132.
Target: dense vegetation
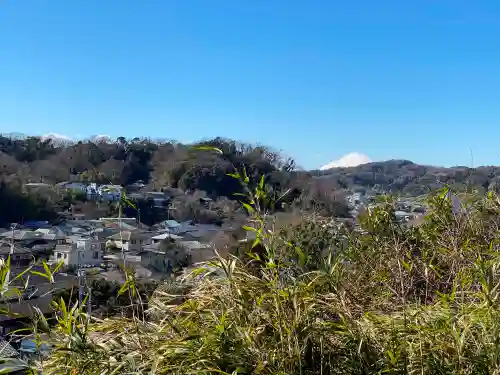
pixel 311 298
pixel 105 297
pixel 316 300
pixel 159 165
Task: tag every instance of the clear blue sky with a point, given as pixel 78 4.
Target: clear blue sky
pixel 392 79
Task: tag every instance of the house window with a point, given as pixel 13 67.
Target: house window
pixel 58 255
pixel 103 246
pixel 132 242
pixel 65 256
pixel 93 246
pixel 95 255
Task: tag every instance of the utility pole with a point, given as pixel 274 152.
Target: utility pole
pixel 11 253
pixel 170 207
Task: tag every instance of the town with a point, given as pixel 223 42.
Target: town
pixel 85 248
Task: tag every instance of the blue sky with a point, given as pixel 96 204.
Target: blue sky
pixel 411 79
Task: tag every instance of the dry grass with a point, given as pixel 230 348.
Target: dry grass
pixel 418 300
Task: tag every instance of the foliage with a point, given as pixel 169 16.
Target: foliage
pixel 17 206
pixel 106 300
pixel 316 300
pixel 159 165
pixel 313 299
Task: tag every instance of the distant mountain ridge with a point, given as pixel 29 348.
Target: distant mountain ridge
pixel 406 177
pixel 175 164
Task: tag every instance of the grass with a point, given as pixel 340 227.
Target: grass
pixel 313 299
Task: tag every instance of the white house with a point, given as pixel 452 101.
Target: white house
pixel 83 252
pixel 92 192
pixel 110 193
pixel 130 240
pixel 76 186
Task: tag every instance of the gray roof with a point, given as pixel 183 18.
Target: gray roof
pixel 171 223
pixel 166 235
pixel 152 247
pixel 18 250
pixel 128 235
pixel 192 245
pixel 6 350
pixel 21 234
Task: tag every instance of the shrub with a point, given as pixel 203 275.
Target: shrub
pixel 392 299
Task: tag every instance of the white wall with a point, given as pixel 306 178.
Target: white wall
pixel 133 245
pixel 84 251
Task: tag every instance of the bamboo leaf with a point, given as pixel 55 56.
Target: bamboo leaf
pixel 209 148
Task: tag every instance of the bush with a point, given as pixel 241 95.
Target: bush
pixel 392 299
pixel 313 298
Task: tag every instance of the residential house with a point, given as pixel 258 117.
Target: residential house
pixel 7 351
pixel 175 227
pixel 85 252
pixel 92 192
pixel 53 234
pixel 130 240
pixel 164 256
pixel 165 236
pixel 34 224
pixel 73 227
pixel 127 220
pixel 110 193
pixel 159 198
pixel 20 257
pixel 79 187
pixel 37 241
pixel 172 226
pixel 200 231
pixel 198 251
pixel 102 234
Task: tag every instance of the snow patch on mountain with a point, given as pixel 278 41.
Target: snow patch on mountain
pixel 352 159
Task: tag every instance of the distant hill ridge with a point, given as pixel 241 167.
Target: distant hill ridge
pixel 123 161
pixel 404 176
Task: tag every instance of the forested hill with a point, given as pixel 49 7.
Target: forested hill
pixel 407 178
pixel 123 162
pixel 171 164
pixel 158 165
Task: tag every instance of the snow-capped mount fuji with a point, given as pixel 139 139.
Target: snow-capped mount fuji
pixel 352 159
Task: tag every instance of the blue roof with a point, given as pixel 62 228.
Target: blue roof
pixel 171 223
pixel 35 224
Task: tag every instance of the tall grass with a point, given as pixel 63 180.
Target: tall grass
pixel 315 299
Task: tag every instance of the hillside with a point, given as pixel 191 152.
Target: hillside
pixel 407 178
pixel 158 165
pixel 25 159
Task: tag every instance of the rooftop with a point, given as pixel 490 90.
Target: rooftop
pixel 130 235
pixel 167 235
pixel 6 350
